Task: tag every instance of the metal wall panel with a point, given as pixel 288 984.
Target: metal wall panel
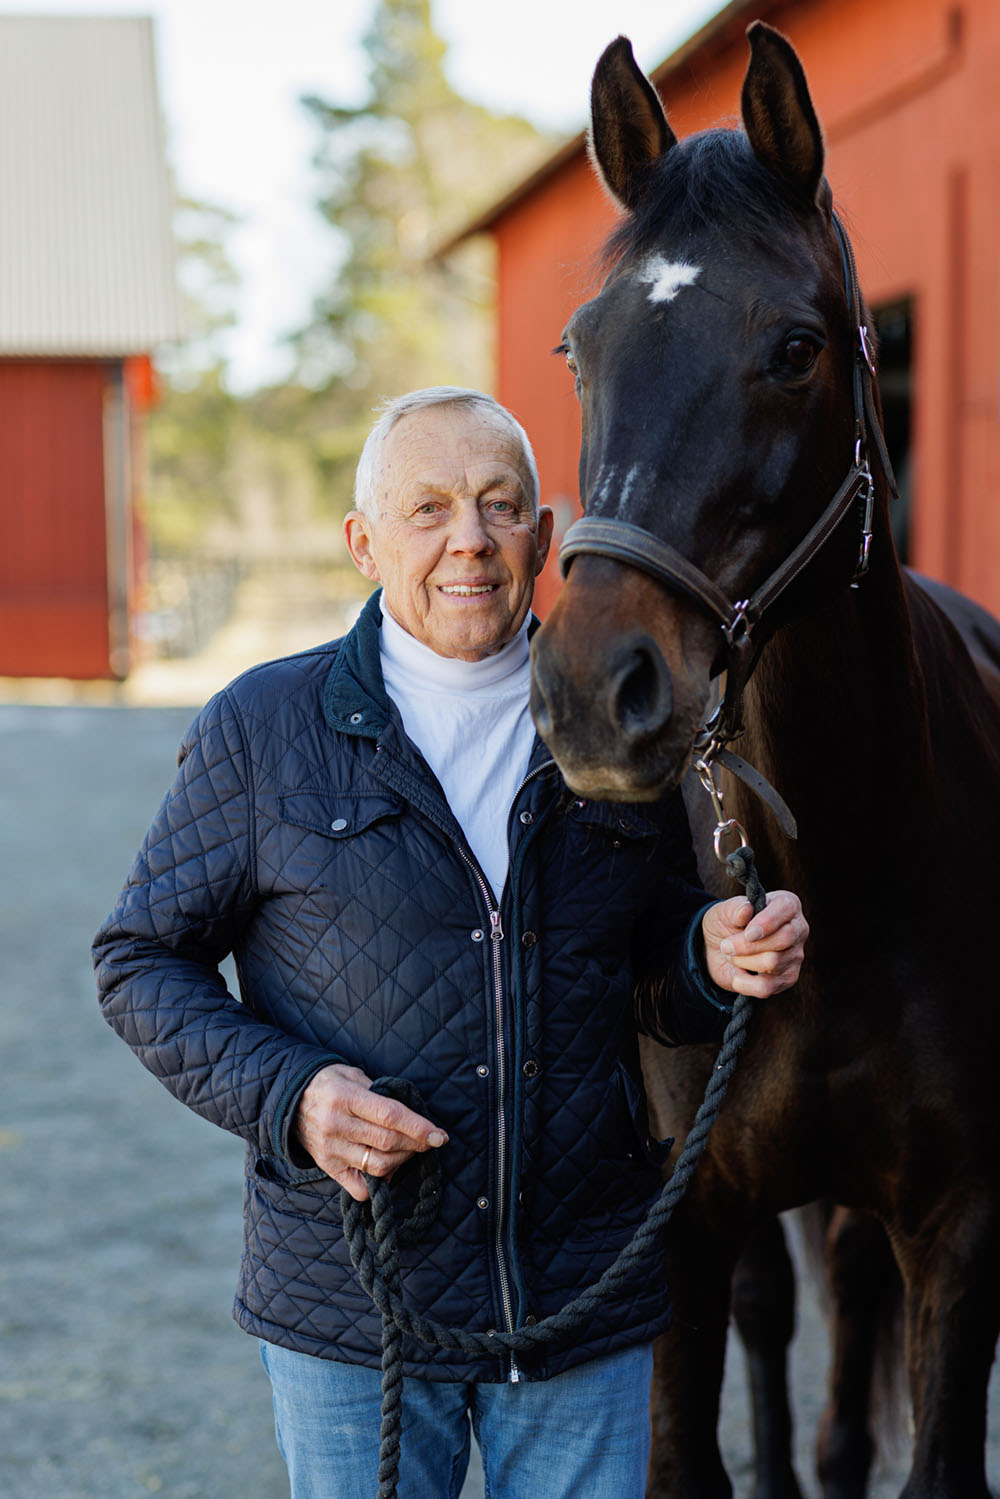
pixel 86 242
pixel 53 534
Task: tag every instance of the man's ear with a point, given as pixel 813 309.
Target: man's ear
pixel 357 534
pixel 544 537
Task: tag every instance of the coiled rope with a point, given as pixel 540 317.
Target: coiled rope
pixel 374 1237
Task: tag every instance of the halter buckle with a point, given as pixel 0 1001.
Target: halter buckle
pixel 740 621
pixel 864 550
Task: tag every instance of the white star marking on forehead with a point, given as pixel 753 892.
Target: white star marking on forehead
pixel 666 277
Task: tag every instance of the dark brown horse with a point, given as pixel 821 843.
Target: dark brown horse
pixel 721 376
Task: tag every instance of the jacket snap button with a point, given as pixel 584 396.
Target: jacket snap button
pixel 482 1070
pixel 339 824
pixel 578 805
pixel 531 1068
pixel 356 717
pixel 478 934
pixel 482 1202
pixel 530 1321
pixel 527 818
pixel 528 939
pixel 616 843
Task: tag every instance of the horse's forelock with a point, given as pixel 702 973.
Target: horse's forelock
pixel 712 180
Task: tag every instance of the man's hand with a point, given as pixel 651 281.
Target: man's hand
pixel 757 955
pixel 346 1127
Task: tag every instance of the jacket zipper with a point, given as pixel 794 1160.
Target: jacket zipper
pixel 496 937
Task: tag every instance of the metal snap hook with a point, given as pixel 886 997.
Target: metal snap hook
pixel 729 826
pixel 724 825
pixel 706 776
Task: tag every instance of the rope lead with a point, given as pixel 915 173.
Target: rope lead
pixel 374 1237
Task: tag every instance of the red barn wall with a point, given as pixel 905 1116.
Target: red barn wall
pixel 546 248
pixel 907 94
pixel 54 615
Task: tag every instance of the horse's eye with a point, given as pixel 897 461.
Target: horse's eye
pixel 800 353
pixel 564 350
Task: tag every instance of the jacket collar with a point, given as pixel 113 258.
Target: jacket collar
pixel 354 698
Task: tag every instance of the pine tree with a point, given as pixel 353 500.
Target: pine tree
pixel 401 172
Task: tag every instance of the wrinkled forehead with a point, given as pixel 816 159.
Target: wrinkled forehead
pixel 436 444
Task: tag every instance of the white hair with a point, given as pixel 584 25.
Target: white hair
pixel 392 411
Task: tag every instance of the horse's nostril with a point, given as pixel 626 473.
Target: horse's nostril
pixel 642 697
pixel 540 712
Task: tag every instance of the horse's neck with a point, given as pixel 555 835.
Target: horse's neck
pixel 836 718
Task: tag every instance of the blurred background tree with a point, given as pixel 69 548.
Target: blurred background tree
pixel 399 174
pixel 256 482
pixel 191 425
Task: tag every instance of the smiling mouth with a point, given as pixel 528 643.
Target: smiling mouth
pixel 467 590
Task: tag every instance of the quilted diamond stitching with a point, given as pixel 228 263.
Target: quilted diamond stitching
pixel 362 947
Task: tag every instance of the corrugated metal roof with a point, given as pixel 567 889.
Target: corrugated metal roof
pixel 86 243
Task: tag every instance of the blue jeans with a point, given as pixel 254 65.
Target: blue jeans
pixel 583 1434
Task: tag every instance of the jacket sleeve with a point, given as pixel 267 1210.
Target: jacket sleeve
pixel 676 1002
pixel 190 890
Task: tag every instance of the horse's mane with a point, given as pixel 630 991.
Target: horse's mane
pixel 709 179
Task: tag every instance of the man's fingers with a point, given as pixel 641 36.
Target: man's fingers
pixel 764 962
pixel 392 1126
pixel 378 1162
pixel 361 1131
pixel 352 1182
pixel 755 985
pixel 782 907
pixel 338 1105
pixel 756 954
pixel 786 939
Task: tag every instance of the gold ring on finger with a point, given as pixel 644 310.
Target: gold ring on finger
pixel 364 1158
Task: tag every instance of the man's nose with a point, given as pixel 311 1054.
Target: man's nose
pixel 468 532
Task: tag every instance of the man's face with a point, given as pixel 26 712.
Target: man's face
pixel 453 541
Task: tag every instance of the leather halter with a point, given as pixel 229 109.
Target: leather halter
pixel 623 542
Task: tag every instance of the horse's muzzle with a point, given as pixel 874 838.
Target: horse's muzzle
pixel 606 727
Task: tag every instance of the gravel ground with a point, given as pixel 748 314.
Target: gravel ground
pixel 123 1375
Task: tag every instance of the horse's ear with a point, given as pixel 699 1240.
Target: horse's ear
pixel 628 129
pixel 778 113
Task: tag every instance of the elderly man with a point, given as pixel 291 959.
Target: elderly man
pixel 410 889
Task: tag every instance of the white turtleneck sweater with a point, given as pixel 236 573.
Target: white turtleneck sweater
pixel 471 722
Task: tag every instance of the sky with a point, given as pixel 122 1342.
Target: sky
pixel 231 75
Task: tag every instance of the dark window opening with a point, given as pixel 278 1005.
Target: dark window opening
pixel 894 325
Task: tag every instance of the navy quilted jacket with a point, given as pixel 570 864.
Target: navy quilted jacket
pixel 305 834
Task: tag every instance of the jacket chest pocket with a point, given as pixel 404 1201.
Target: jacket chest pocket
pixel 325 838
pixel 337 815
